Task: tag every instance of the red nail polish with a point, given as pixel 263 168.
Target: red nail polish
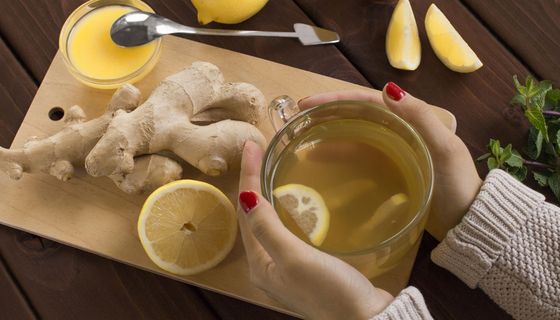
pixel 248 200
pixel 394 92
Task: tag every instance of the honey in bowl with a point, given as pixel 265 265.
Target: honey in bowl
pixel 93 52
pixel 90 54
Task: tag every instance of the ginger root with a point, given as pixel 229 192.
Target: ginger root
pixel 58 154
pixel 150 172
pixel 123 143
pixel 163 122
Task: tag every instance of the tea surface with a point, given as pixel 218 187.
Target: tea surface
pixel 367 175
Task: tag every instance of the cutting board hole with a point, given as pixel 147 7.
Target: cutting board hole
pixel 56 113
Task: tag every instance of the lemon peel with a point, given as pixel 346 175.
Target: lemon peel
pixel 227 11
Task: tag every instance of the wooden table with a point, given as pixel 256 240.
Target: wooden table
pixel 43 279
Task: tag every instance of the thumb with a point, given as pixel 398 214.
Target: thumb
pixel 419 114
pixel 261 225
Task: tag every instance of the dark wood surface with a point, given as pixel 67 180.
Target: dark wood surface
pixel 43 279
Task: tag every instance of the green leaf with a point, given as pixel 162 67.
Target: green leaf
pixel 553 99
pixel 544 86
pixel 515 160
pixel 536 118
pixel 530 87
pixel 495 147
pixel 538 96
pixel 541 178
pixel 518 100
pixel 518 173
pixel 492 163
pixel 535 143
pixel 506 153
pixel 484 156
pixel 554 184
pixel 518 86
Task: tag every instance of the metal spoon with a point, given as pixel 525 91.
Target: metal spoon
pixel 138 28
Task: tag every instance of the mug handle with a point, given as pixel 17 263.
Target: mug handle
pixel 281 110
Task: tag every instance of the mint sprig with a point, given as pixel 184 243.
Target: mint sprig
pixel 540 103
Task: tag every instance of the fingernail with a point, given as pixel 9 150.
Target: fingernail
pixel 394 92
pixel 300 100
pixel 248 200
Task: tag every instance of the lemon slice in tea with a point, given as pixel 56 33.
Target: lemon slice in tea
pixel 187 227
pixel 382 217
pixel 448 44
pixel 307 208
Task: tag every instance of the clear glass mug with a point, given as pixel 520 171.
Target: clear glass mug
pixel 290 124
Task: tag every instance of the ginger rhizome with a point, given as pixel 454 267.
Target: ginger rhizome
pixel 126 143
pixel 58 154
pixel 163 122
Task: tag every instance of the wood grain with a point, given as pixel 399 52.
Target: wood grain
pixel 64 283
pixel 529 28
pixel 12 299
pixel 16 92
pixel 93 215
pixel 479 100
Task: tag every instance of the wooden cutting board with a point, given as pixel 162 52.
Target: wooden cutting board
pixel 93 215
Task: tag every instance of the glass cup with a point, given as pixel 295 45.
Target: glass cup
pixel 291 124
pixel 65 37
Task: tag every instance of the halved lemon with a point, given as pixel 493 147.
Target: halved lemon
pixel 307 208
pixel 402 43
pixel 187 227
pixel 448 44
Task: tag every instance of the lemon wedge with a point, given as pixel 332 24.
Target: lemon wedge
pixel 307 208
pixel 402 43
pixel 227 11
pixel 448 44
pixel 187 227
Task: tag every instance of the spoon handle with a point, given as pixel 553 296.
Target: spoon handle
pixel 171 27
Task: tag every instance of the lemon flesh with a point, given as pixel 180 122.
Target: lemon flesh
pixel 382 217
pixel 187 227
pixel 448 44
pixel 227 11
pixel 307 208
pixel 402 43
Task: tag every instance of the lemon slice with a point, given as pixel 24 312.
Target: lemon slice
pixel 307 208
pixel 402 43
pixel 448 44
pixel 187 227
pixel 382 216
pixel 227 11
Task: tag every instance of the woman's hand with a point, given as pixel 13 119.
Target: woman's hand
pixel 456 179
pixel 303 278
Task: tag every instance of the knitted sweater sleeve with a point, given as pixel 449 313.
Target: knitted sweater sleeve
pixel 508 244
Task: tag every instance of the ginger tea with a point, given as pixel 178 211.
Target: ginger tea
pixel 368 177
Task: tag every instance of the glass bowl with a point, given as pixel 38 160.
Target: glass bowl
pixel 65 36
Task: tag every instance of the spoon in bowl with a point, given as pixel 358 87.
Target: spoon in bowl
pixel 138 28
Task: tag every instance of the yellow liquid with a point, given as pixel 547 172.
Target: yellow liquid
pixel 356 166
pixel 94 54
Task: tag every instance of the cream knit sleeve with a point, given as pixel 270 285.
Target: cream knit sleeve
pixel 508 244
